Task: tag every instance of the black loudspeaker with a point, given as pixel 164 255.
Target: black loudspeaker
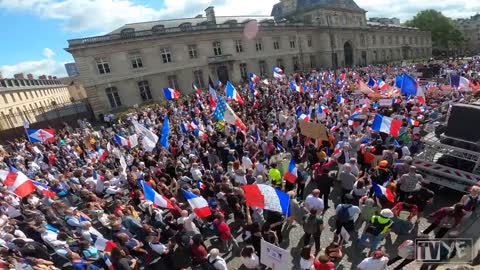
pixel 464 123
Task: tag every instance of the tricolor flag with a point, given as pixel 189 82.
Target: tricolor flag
pixel 219 83
pixel 387 125
pixel 322 109
pixel 102 154
pixel 198 92
pixel 199 133
pixel 291 175
pixel 122 140
pixel 254 78
pixel 41 135
pixel 303 117
pixel 198 204
pixel 277 72
pixel 267 197
pixel 223 112
pixel 371 82
pixel 280 147
pixel 212 94
pixel 413 122
pixel 108 262
pixel 171 94
pixel 333 128
pixel 232 93
pixel 254 91
pixel 295 87
pixel 341 100
pixel 380 191
pixel 44 189
pixel 355 115
pixel 104 245
pixel 153 196
pixel 18 182
pixel 200 185
pixel 382 85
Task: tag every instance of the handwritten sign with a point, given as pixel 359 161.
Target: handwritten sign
pixel 385 102
pixel 274 257
pixel 313 130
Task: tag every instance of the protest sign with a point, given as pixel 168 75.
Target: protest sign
pixel 313 130
pixel 275 257
pixel 385 102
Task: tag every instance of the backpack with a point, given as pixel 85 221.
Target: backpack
pixel 343 214
pixel 209 265
pixel 310 224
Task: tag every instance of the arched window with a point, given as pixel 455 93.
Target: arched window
pixel 127 33
pixel 158 29
pixel 113 97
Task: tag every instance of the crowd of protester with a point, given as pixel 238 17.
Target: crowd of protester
pixel 100 197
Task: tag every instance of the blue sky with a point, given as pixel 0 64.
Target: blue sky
pixel 35 32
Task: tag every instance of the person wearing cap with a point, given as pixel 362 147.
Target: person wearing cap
pixel 377 261
pixel 409 182
pixel 377 228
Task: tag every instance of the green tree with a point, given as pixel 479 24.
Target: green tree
pixel 445 34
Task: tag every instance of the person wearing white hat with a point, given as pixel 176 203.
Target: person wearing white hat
pixel 377 228
pixel 216 261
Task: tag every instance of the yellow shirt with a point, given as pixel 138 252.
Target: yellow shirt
pixel 275 176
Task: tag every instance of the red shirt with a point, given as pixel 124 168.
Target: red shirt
pixel 320 266
pixel 223 229
pixel 199 251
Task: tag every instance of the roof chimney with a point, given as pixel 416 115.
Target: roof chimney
pixel 19 76
pixel 54 77
pixel 43 77
pixel 210 13
pixel 49 77
pixel 30 76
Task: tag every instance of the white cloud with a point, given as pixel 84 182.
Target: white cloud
pixel 45 66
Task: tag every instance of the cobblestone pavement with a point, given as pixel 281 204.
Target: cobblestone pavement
pixel 353 254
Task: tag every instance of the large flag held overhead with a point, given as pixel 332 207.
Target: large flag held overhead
pixel 198 204
pixel 267 197
pixel 41 135
pixel 387 125
pixel 223 112
pixel 17 182
pixel 153 196
pixel 44 189
pixel 409 85
pixel 277 72
pixel 104 245
pixel 232 93
pixel 120 140
pixel 165 133
pixel 291 175
pixel 212 93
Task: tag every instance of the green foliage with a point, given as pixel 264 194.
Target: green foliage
pixel 444 32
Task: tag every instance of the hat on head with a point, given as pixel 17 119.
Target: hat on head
pixel 386 213
pixel 383 163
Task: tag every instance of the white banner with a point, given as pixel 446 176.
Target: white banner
pixel 274 257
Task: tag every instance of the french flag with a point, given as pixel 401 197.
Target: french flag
pixel 341 100
pixel 254 91
pixel 295 87
pixel 200 185
pixel 104 245
pixel 17 182
pixel 304 117
pixel 44 189
pixel 201 134
pixel 184 127
pixel 355 115
pixel 122 140
pixel 198 91
pixel 267 197
pixel 380 191
pixel 382 85
pixel 413 122
pixel 387 125
pixel 153 196
pixel 291 175
pixel 254 78
pixel 232 93
pixel 280 147
pixel 219 83
pixel 102 154
pixel 171 94
pixel 371 82
pixel 322 109
pixel 277 72
pixel 108 262
pixel 212 94
pixel 333 128
pixel 198 204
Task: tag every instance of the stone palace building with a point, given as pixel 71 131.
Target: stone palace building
pixel 132 64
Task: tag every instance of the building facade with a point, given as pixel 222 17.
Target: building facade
pixel 29 100
pixel 471 31
pixel 75 88
pixel 132 64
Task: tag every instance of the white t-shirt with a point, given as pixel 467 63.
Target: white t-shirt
pixel 306 264
pixel 251 262
pixel 373 264
pixel 188 223
pixel 313 202
pixel 220 264
pixel 247 163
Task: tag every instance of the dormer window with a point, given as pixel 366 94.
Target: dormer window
pixel 186 27
pixel 128 33
pixel 158 29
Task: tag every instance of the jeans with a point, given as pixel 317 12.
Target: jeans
pixel 402 264
pixel 316 239
pixel 325 196
pixel 373 239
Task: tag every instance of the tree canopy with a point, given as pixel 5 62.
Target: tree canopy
pixel 445 33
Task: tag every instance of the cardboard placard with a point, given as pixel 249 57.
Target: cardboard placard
pixel 385 102
pixel 313 130
pixel 274 257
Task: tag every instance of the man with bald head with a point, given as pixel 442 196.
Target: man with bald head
pixel 313 201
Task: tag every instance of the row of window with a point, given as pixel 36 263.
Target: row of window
pixel 33 108
pixel 411 40
pixel 22 82
pixel 136 62
pixel 20 95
